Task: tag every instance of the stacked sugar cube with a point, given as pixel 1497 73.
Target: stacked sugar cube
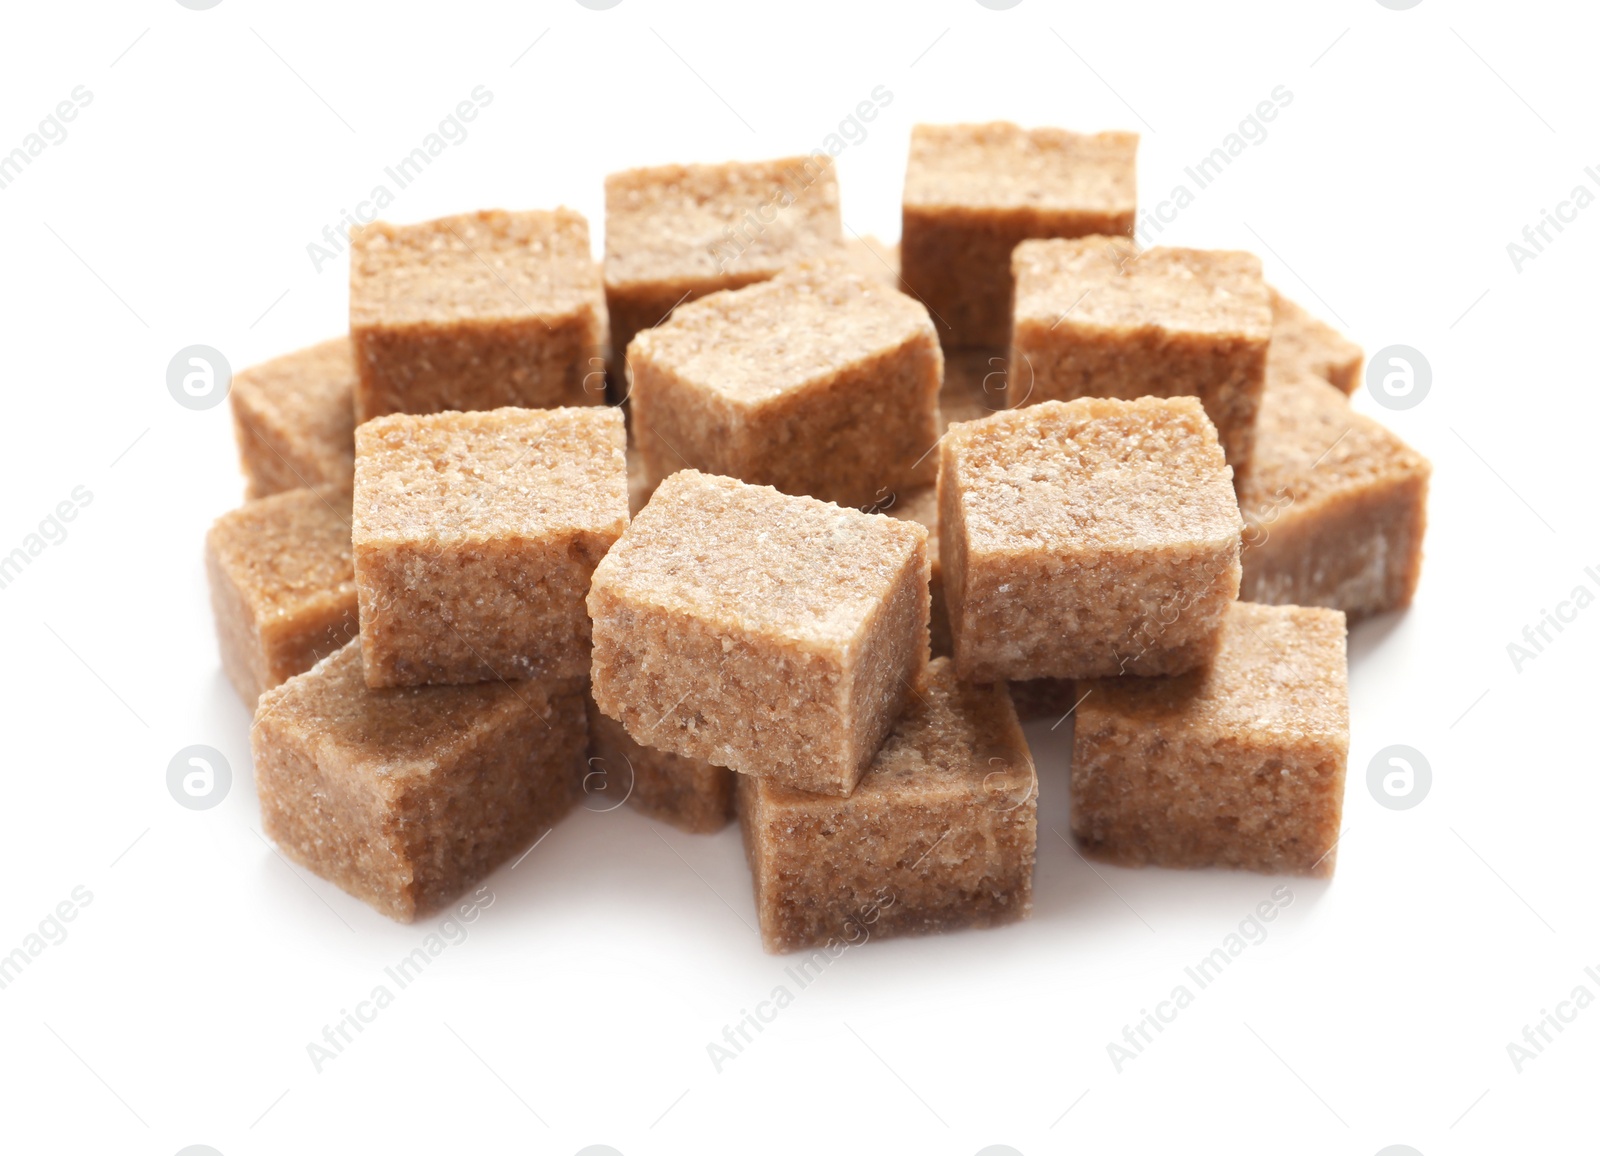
pixel 868 508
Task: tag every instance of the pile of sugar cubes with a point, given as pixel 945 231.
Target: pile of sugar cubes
pixel 753 521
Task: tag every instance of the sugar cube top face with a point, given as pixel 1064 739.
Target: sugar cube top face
pixel 1335 506
pixel 1315 448
pixel 476 312
pixel 819 382
pixel 1302 345
pixel 475 535
pixel 294 418
pixel 402 732
pixel 1096 317
pixel 1240 763
pixel 477 477
pixel 405 797
pixel 1093 473
pixel 477 267
pixel 939 834
pixel 771 634
pixel 695 224
pixel 1278 678
pixel 1106 284
pixel 747 557
pixel 802 327
pixel 1086 538
pixel 282 586
pixel 1000 166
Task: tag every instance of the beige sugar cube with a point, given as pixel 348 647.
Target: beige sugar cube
pixel 294 420
pixel 973 191
pixel 1098 317
pixel 1302 345
pixel 1086 538
pixel 775 635
pixel 819 382
pixel 1238 764
pixel 474 312
pixel 678 232
pixel 939 834
pixel 475 536
pixel 1335 506
pixel 283 587
pixel 405 797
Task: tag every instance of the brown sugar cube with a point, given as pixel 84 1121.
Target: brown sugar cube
pixel 406 797
pixel 973 191
pixel 775 635
pixel 283 589
pixel 1238 764
pixel 922 506
pixel 678 232
pixel 1086 538
pixel 294 420
pixel 939 834
pixel 819 382
pixel 475 535
pixel 1335 506
pixel 691 794
pixel 1303 345
pixel 1096 317
pixel 478 311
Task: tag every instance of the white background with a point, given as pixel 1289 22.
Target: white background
pixel 178 210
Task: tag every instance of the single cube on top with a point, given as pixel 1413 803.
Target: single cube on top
pixel 475 536
pixel 405 797
pixel 1097 317
pixel 1238 764
pixel 1086 538
pixel 973 191
pixel 820 382
pixel 940 833
pixel 775 635
pixel 475 312
pixel 294 420
pixel 678 232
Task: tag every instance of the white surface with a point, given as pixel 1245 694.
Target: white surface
pixel 179 1008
